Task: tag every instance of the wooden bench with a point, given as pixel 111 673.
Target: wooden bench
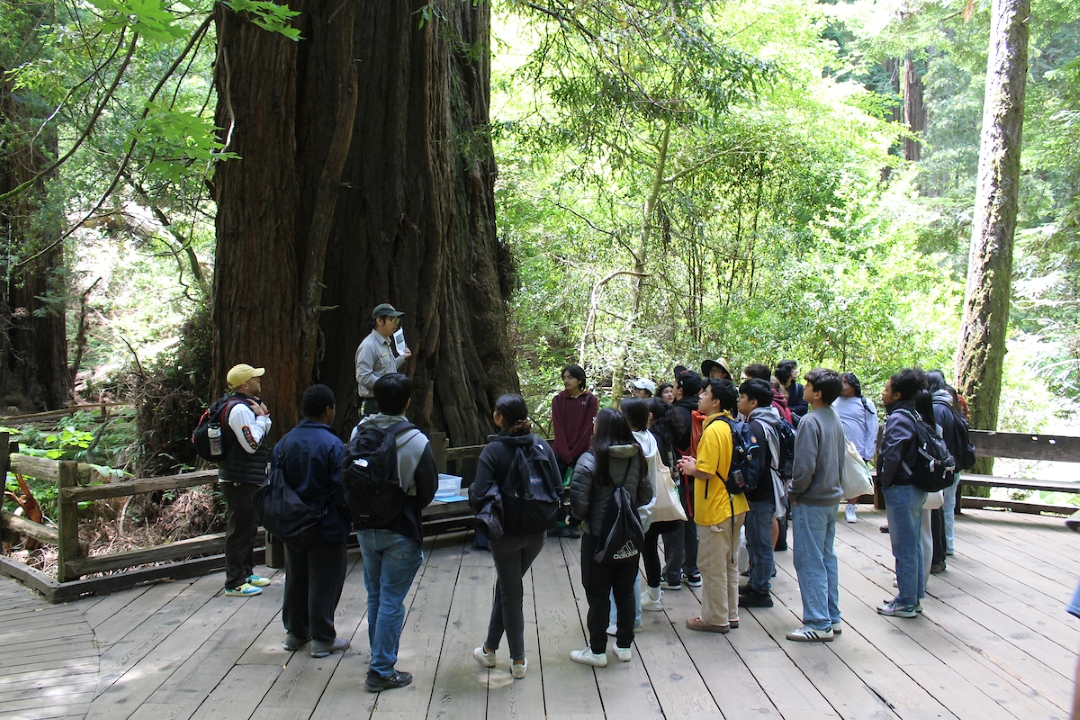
pixel 1021 446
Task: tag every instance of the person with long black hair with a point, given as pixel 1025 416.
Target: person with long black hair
pixel 860 422
pixel 615 460
pixel 515 551
pixel 664 426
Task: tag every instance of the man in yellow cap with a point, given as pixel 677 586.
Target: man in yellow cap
pixel 241 472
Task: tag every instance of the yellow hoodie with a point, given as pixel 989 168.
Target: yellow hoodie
pixel 712 504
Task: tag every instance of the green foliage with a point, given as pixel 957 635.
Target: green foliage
pixel 269 15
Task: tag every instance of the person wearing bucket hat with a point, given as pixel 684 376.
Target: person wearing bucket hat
pixel 376 356
pixel 717 368
pixel 241 472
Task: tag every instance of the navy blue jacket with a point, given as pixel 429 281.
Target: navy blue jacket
pixel 310 456
pixel 899 449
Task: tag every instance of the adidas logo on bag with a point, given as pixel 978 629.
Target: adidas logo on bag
pixel 626 551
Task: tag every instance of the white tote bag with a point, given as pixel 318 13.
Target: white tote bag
pixel 855 476
pixel 668 506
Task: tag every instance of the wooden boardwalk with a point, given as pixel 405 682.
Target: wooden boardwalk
pixel 994 642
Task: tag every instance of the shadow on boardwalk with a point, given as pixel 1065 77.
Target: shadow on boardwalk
pixel 994 642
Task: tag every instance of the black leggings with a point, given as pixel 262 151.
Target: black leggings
pixel 651 553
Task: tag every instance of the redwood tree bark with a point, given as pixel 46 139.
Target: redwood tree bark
pixel 415 224
pixel 367 176
pixel 33 331
pixel 989 285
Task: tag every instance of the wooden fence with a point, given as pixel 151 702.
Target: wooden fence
pixel 196 556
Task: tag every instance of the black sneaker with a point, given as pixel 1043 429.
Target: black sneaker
pixel 377 683
pixel 692 580
pixel 756 600
pixel 670 585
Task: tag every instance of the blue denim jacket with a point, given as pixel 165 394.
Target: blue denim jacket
pixel 310 455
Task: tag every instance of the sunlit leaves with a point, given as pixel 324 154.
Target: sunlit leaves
pixel 152 19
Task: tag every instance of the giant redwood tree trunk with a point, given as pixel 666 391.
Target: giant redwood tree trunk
pixel 367 177
pixel 989 284
pixel 33 332
pixel 415 224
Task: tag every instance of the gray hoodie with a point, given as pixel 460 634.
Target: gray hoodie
pixel 819 456
pixel 589 500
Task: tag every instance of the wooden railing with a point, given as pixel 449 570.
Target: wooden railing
pixel 1022 446
pixel 73 559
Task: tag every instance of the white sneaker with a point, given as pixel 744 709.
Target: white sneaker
pixel 612 630
pixel 849 513
pixel 518 669
pixel 647 603
pixel 809 634
pixel 487 659
pixel 588 657
pixel 622 653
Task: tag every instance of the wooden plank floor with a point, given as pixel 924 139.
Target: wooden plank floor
pixel 994 642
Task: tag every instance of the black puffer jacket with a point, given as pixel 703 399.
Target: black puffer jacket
pixel 589 499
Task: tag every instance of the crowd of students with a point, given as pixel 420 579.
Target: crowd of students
pixel 670 447
pixel 687 426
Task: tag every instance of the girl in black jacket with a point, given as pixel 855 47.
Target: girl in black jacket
pixel 515 551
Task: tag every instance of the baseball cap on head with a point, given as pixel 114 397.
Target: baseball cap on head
pixel 241 373
pixel 644 384
pixel 385 310
pixel 690 382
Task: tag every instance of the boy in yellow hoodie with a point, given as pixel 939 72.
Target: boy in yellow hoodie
pixel 719 516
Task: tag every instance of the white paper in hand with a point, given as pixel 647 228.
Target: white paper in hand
pixel 399 341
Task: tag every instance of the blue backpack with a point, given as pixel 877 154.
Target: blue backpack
pixel 743 472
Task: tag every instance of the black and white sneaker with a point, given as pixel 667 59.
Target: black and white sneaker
pixel 692 580
pixel 377 683
pixel 809 634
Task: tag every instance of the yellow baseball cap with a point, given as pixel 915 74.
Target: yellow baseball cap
pixel 241 373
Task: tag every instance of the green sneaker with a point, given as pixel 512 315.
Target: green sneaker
pixel 245 590
pixel 258 581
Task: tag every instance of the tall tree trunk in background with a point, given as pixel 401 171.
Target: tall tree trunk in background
pixel 415 224
pixel 278 106
pixel 896 110
pixel 33 329
pixel 989 286
pixel 367 177
pixel 914 110
pixel 641 250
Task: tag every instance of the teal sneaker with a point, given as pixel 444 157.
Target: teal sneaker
pixel 245 590
pixel 258 581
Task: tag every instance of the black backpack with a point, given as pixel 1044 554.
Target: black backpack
pixel 212 438
pixel 373 489
pixel 621 536
pixel 743 472
pixel 934 468
pixel 785 462
pixel 531 492
pixel 961 440
pixel 284 514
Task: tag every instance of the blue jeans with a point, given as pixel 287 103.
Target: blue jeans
pixel 903 508
pixel 949 510
pixel 813 532
pixel 758 528
pixel 390 564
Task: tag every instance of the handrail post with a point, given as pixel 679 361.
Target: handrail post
pixel 5 463
pixel 67 521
